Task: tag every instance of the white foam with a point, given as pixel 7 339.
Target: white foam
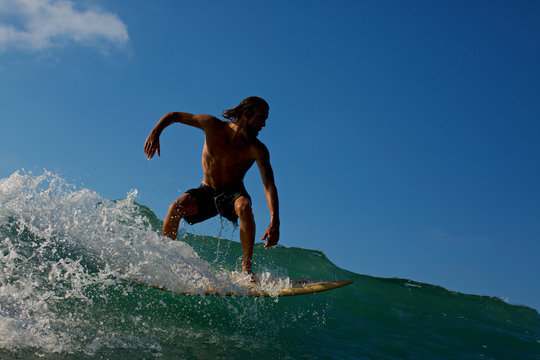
pixel 60 245
pixel 56 241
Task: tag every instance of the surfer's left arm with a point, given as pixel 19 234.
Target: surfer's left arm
pixel 267 175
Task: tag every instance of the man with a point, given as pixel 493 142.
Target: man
pixel 230 149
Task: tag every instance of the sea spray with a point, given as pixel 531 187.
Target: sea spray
pixel 79 224
pixel 68 258
pixel 58 243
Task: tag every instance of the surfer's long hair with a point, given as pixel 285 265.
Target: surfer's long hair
pixel 248 104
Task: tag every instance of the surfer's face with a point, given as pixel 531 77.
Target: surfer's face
pixel 254 121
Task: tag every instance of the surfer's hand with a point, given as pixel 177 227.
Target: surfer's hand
pixel 152 145
pixel 271 235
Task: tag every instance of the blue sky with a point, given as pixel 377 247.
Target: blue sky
pixel 403 135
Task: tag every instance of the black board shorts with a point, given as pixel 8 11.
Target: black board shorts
pixel 211 202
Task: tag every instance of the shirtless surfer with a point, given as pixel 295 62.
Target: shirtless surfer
pixel 230 149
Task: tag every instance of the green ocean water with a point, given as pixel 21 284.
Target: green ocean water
pixel 67 258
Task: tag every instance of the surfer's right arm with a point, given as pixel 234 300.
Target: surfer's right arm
pixel 152 142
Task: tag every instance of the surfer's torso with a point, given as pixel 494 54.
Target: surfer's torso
pixel 228 153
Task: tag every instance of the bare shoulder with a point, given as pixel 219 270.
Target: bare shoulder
pixel 260 150
pixel 206 121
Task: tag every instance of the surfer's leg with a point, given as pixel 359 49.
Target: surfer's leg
pixel 242 207
pixel 185 205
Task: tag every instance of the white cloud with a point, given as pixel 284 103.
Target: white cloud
pixel 41 24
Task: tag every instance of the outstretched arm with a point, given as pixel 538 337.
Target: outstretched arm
pixel 152 142
pixel 267 174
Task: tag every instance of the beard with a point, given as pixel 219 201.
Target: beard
pixel 251 133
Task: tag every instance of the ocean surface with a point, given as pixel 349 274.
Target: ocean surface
pixel 69 259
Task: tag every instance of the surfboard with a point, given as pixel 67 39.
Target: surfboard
pixel 297 287
pixel 301 287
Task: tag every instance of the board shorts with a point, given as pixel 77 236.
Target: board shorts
pixel 211 202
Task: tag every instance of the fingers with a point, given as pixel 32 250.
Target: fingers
pixel 150 148
pixel 149 151
pixel 271 242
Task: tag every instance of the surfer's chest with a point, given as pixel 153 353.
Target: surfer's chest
pixel 228 147
pixel 228 154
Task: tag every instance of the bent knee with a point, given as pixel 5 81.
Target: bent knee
pixel 185 205
pixel 242 206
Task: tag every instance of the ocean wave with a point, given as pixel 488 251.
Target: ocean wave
pixel 70 261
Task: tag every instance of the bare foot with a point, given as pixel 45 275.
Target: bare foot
pixel 254 278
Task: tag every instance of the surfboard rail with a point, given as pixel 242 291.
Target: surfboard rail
pixel 298 287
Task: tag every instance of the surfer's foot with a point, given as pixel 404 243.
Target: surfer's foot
pixel 246 269
pixel 253 277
